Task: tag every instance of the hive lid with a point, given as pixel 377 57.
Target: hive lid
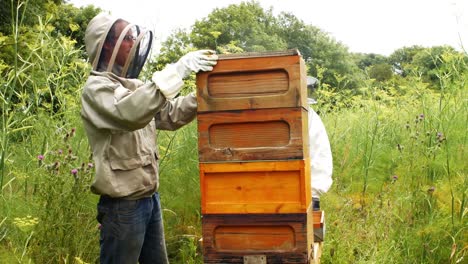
pixel 290 52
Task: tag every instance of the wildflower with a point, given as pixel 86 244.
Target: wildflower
pixel 90 165
pixel 60 151
pixel 431 190
pixel 72 132
pixel 40 157
pixel 80 261
pixel 421 116
pixel 25 223
pixel 400 147
pixel 74 171
pixel 394 178
pixel 440 137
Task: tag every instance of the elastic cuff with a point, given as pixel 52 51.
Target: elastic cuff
pixel 168 81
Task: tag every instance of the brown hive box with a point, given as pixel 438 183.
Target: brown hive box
pixel 253 81
pixel 261 238
pixel 260 134
pixel 267 187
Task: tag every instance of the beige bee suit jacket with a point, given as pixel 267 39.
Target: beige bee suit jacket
pixel 120 117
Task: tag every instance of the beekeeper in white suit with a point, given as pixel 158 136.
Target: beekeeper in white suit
pixel 321 161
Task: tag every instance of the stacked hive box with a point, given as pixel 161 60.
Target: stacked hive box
pixel 254 159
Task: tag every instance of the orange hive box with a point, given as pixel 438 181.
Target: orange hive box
pixel 266 238
pixel 261 134
pixel 255 187
pixel 253 81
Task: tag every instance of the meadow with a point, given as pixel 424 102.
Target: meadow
pixel 400 172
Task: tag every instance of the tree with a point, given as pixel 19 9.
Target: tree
pixel 247 23
pixel 28 11
pixel 401 59
pixel 365 60
pixel 381 72
pixel 248 27
pixel 174 47
pixel 71 21
pixel 37 56
pixel 428 60
pixel 421 62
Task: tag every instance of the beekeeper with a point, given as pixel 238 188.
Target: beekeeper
pixel 321 161
pixel 121 114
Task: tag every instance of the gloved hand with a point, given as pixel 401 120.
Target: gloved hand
pixel 200 60
pixel 169 80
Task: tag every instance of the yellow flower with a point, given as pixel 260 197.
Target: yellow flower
pixel 80 261
pixel 25 224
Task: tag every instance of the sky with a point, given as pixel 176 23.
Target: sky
pixel 366 26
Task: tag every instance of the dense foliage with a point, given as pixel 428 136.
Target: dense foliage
pixel 397 127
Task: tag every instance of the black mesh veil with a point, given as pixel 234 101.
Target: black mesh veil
pixel 140 54
pixel 126 49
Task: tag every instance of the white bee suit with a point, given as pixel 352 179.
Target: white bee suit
pixel 321 161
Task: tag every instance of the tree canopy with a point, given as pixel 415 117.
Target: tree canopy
pixel 244 27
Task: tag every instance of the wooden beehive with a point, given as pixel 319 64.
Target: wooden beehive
pixel 254 160
pixel 261 134
pixel 255 187
pixel 253 81
pixel 274 238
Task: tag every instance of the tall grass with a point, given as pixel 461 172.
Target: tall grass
pixel 400 179
pixel 180 193
pixel 47 213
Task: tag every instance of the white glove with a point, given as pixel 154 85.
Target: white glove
pixel 200 60
pixel 169 80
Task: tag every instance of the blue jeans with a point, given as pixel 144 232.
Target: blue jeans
pixel 131 231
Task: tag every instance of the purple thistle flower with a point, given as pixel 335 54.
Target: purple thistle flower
pixel 60 151
pixel 74 171
pixel 90 165
pixel 394 179
pixel 40 157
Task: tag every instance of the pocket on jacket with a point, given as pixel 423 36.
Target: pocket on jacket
pixel 131 145
pixel 130 164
